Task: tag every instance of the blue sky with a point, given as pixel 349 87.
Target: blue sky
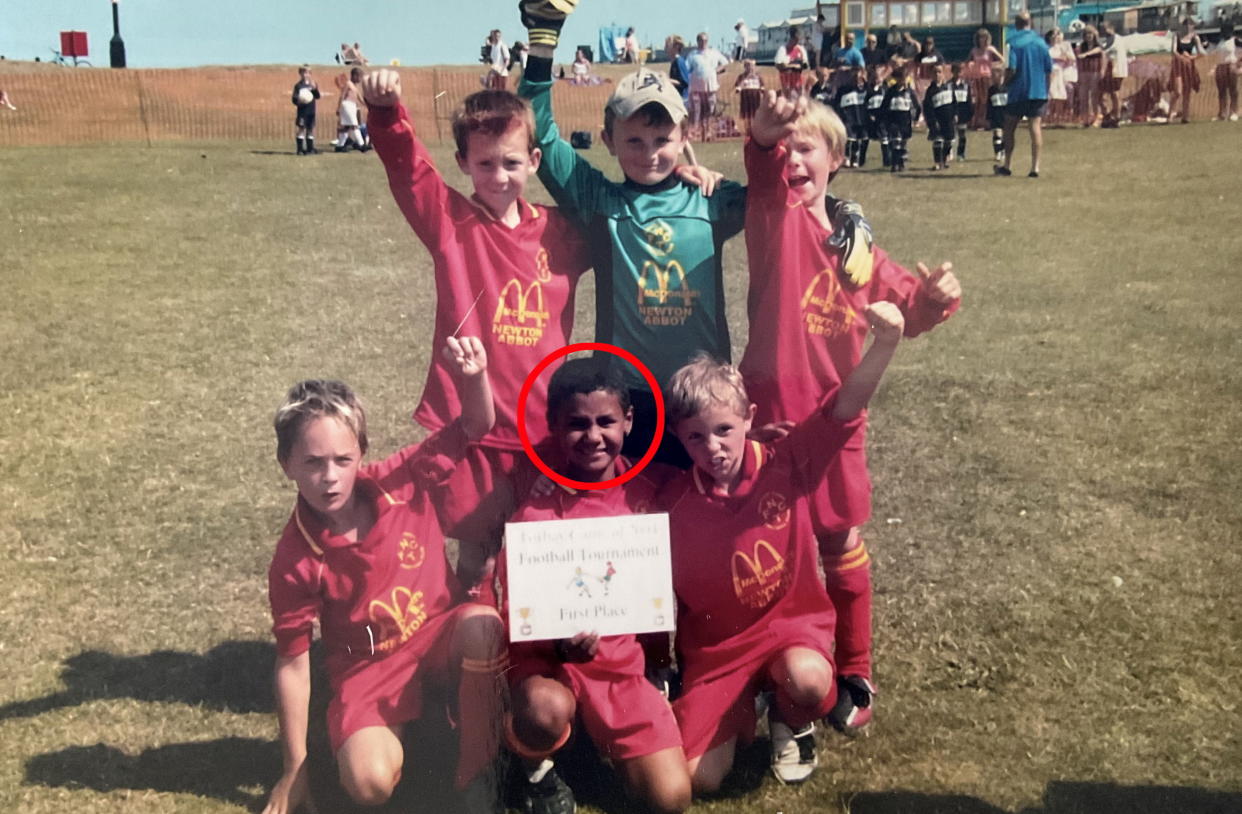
pixel 180 33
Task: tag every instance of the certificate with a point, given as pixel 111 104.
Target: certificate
pixel 611 575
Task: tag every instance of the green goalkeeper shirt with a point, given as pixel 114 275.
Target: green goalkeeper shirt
pixel 659 281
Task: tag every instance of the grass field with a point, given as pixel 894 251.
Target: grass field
pixel 1058 477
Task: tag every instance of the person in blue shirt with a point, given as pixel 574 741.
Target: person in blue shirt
pixel 1030 68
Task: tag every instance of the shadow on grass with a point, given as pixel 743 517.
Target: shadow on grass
pixel 242 771
pixel 233 676
pixel 1059 798
pixel 229 769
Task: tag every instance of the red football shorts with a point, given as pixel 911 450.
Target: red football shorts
pixel 625 715
pixel 388 691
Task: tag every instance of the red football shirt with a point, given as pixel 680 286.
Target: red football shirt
pixel 744 564
pixel 617 655
pixel 796 280
pixel 511 287
pixel 370 596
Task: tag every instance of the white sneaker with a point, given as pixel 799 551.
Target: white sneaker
pixel 1233 117
pixel 793 754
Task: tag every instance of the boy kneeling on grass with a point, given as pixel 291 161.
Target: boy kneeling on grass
pixel 364 554
pixel 752 611
pixel 599 681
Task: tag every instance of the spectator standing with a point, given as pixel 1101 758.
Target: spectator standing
pixel 930 60
pixel 826 39
pixel 678 68
pixel 749 86
pixel 517 57
pixel 1227 73
pixel 873 55
pixel 845 58
pixel 497 61
pixel 741 41
pixel 1090 69
pixel 791 60
pixel 900 46
pixel 984 58
pixel 1187 49
pixel 1030 66
pixel 705 64
pixel 1060 84
pixel 1116 69
pixel 630 54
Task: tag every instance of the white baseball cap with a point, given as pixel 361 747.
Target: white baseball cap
pixel 642 88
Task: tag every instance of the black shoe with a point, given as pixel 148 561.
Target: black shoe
pixel 999 170
pixel 1033 174
pixel 550 795
pixel 852 713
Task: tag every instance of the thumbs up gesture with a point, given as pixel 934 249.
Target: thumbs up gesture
pixel 940 284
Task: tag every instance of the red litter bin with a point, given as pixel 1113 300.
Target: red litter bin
pixel 73 44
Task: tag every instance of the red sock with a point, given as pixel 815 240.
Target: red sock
pixel 847 577
pixel 480 714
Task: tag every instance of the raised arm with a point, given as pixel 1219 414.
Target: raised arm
pixel 467 358
pixel 416 184
pixel 887 325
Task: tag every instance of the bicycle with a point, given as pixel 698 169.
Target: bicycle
pixel 59 59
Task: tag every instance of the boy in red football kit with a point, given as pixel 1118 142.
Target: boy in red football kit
pixel 600 680
pixel 505 270
pixel 812 265
pixel 752 612
pixel 364 554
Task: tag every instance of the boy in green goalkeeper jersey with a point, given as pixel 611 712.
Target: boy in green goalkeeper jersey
pixel 656 238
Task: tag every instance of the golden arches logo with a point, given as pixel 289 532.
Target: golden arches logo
pixel 520 311
pixel 652 273
pixel 823 294
pixel 400 620
pixel 757 582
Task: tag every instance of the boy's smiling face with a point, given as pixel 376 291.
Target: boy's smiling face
pixel 590 429
pixel 715 439
pixel 647 153
pixel 499 166
pixel 324 463
pixel 810 166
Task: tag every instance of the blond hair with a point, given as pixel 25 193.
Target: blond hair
pixel 702 383
pixel 821 120
pixel 316 398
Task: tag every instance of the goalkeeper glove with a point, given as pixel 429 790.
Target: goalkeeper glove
pixel 852 237
pixel 543 19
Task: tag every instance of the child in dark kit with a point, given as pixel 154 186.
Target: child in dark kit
pixel 851 105
pixel 963 105
pixel 875 104
pixel 998 98
pixel 899 113
pixel 939 109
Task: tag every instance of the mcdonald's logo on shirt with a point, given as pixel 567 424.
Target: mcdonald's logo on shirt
pixel 521 314
pixel 824 312
pixel 758 579
pixel 400 620
pixel 655 289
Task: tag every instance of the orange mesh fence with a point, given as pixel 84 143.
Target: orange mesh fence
pixel 83 105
